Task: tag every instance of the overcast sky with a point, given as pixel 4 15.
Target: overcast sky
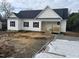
pixel 41 4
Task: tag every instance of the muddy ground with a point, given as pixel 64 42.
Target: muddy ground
pixel 26 44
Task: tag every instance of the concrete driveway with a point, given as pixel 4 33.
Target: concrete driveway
pixel 61 47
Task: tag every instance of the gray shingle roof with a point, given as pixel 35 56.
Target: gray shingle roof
pixel 62 12
pixel 28 13
pixel 33 13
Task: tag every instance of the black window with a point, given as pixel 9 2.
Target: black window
pixel 58 23
pixel 12 23
pixel 36 24
pixel 26 24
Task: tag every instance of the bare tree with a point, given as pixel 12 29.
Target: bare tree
pixel 6 7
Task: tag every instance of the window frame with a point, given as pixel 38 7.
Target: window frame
pixel 25 24
pixel 12 23
pixel 35 26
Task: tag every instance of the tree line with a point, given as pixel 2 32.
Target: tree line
pixel 73 22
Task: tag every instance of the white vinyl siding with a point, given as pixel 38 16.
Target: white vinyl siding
pixel 48 13
pixel 63 26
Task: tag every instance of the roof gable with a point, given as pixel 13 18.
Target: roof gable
pixel 13 15
pixel 48 13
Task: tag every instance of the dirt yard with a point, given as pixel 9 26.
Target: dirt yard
pixel 26 43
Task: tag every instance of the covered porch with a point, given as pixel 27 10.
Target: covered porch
pixel 51 26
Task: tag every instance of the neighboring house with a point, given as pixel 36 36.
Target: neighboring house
pixel 0 22
pixel 4 24
pixel 0 25
pixel 53 20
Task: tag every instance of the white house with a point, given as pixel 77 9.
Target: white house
pixel 53 20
